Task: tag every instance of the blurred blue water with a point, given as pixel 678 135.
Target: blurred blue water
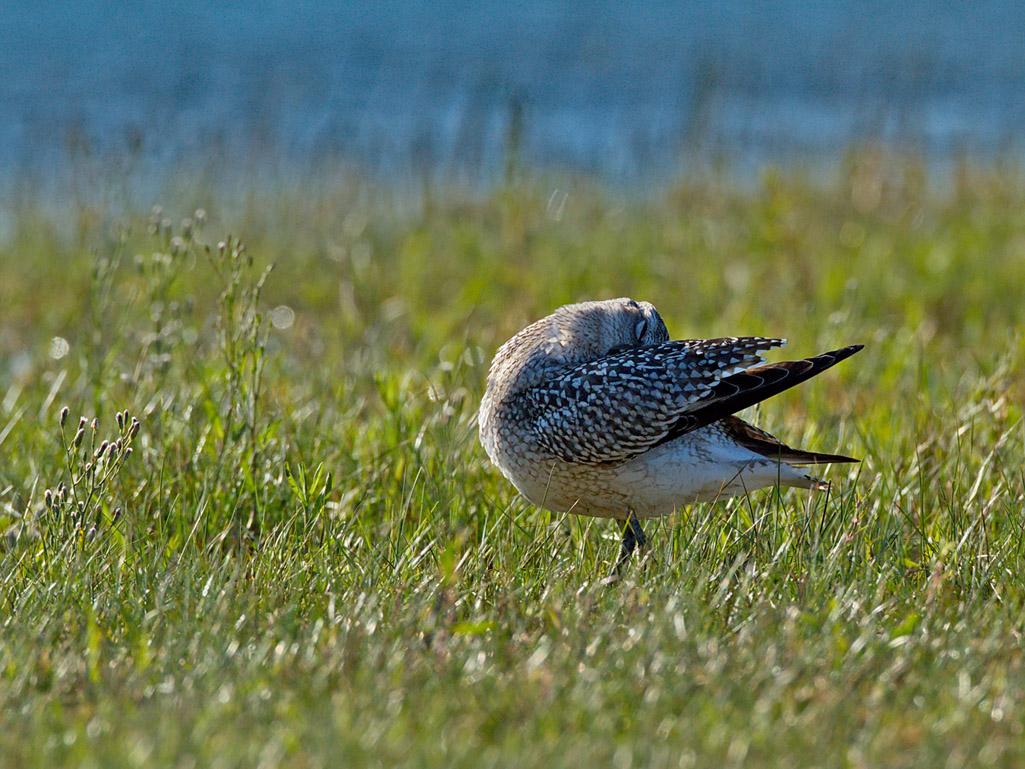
pixel 627 90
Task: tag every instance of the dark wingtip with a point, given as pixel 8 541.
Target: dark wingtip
pixel 819 458
pixel 839 459
pixel 843 352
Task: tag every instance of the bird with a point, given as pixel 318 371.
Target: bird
pixel 593 410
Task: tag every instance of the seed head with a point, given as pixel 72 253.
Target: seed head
pixel 96 424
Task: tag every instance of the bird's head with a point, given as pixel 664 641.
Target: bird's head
pixel 590 330
pixel 575 334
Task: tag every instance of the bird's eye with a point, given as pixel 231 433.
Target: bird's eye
pixel 640 328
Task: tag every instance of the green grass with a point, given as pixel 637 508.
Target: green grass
pixel 314 565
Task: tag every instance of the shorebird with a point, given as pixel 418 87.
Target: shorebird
pixel 594 411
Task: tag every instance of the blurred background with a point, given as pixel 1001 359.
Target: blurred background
pixel 636 93
pixel 308 554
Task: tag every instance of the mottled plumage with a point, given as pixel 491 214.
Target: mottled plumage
pixel 593 410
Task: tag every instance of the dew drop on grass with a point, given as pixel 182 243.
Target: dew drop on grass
pixel 282 317
pixel 59 347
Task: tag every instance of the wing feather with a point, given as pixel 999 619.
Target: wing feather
pixel 737 392
pixel 613 408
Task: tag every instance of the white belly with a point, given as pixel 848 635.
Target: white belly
pixel 698 467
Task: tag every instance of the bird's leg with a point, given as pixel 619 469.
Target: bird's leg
pixel 633 537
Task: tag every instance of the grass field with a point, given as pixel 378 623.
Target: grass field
pixel 305 559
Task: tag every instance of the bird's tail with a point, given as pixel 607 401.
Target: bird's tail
pixel 770 447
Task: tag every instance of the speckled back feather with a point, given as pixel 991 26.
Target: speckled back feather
pixel 612 408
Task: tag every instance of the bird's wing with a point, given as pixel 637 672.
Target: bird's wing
pixel 610 409
pixel 753 385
